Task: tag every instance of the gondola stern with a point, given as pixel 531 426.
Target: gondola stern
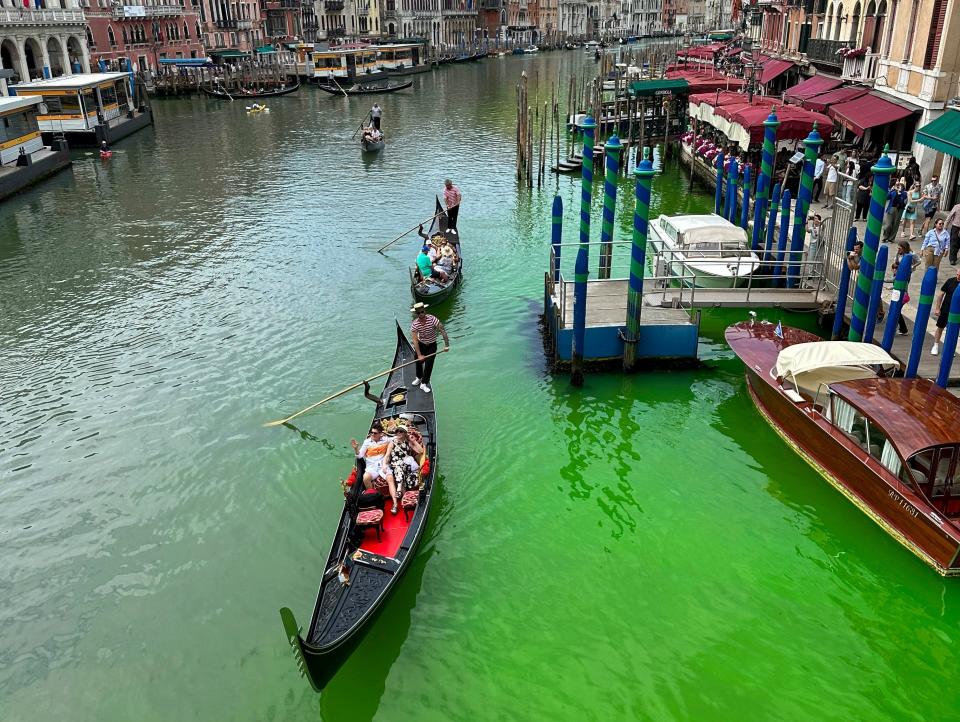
pixel 296 642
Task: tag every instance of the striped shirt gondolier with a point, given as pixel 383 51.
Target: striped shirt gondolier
pixel 425 327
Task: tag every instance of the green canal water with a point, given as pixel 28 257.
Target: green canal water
pixel 643 548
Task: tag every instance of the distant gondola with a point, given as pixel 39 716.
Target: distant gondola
pixel 365 89
pixel 238 95
pixel 363 567
pixel 433 290
pixel 372 146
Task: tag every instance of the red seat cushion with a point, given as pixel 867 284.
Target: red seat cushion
pixel 410 499
pixel 381 485
pixel 370 516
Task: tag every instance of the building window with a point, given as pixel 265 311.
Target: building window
pixel 111 38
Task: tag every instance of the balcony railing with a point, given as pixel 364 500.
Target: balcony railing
pixel 333 5
pixel 146 11
pixel 40 16
pixel 862 69
pixel 824 52
pixel 244 24
pixel 224 24
pixel 336 32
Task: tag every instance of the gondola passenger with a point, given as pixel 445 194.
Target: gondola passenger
pixel 401 467
pixel 372 451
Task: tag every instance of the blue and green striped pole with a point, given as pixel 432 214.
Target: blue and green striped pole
pixel 843 286
pixel 556 237
pixel 876 288
pixel 782 242
pixel 581 269
pixel 928 287
pixel 900 283
pixel 730 204
pixel 811 149
pixel 745 211
pixel 638 259
pixel 871 241
pixel 949 342
pixel 772 224
pixel 764 183
pixel 759 213
pixel 718 198
pixel 613 149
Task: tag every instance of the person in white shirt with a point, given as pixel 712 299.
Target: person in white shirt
pixel 818 169
pixel 833 175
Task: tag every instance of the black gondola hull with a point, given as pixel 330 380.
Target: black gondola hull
pixel 434 292
pixel 337 90
pixel 223 95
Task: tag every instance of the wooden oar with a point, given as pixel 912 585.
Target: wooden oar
pixel 349 388
pixel 380 250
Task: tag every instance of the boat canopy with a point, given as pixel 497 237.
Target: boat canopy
pixel 803 358
pixel 701 228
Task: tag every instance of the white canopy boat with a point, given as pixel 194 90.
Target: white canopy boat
pixel 706 251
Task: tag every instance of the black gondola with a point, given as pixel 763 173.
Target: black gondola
pixel 237 95
pixel 363 568
pixel 365 89
pixel 433 290
pixel 372 146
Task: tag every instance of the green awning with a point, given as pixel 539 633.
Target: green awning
pixel 264 49
pixel 943 134
pixel 229 53
pixel 665 86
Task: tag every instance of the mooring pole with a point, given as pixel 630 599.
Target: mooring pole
pixel 765 181
pixel 843 286
pixel 811 150
pixel 900 283
pixel 557 236
pixel 949 342
pixel 772 224
pixel 745 211
pixel 613 148
pixel 782 241
pixel 871 240
pixel 583 256
pixel 928 287
pixel 730 202
pixel 718 198
pixel 876 288
pixel 638 260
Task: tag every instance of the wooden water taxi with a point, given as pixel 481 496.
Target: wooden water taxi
pixel 889 445
pixel 371 548
pixel 706 251
pixel 432 290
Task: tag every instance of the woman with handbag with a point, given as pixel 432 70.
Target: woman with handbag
pixel 930 202
pixel 910 211
pixel 903 248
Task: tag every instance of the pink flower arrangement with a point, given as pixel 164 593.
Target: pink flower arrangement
pixel 851 52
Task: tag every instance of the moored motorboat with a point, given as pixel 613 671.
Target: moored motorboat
pixel 889 445
pixel 434 290
pixel 371 547
pixel 530 49
pixel 706 251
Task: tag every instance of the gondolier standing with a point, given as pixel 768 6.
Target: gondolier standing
pixel 452 198
pixel 375 114
pixel 423 332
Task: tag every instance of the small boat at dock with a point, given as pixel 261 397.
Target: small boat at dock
pixel 371 548
pixel 433 290
pixel 371 89
pixel 706 251
pixel 890 445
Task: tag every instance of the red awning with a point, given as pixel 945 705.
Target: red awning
pixel 867 111
pixel 703 82
pixel 724 97
pixel 820 103
pixel 795 123
pixel 774 68
pixel 812 86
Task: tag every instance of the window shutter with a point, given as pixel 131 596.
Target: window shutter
pixel 936 32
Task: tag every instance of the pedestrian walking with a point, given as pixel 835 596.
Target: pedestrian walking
pixel 896 202
pixel 864 185
pixel 452 197
pixel 930 202
pixel 375 114
pixel 833 175
pixel 952 224
pixel 935 245
pixel 910 211
pixel 903 248
pixel 818 170
pixel 423 332
pixel 941 309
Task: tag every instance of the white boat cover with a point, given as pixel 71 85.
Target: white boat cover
pixel 804 357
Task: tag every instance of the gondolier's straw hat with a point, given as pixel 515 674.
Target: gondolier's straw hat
pixel 419 306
